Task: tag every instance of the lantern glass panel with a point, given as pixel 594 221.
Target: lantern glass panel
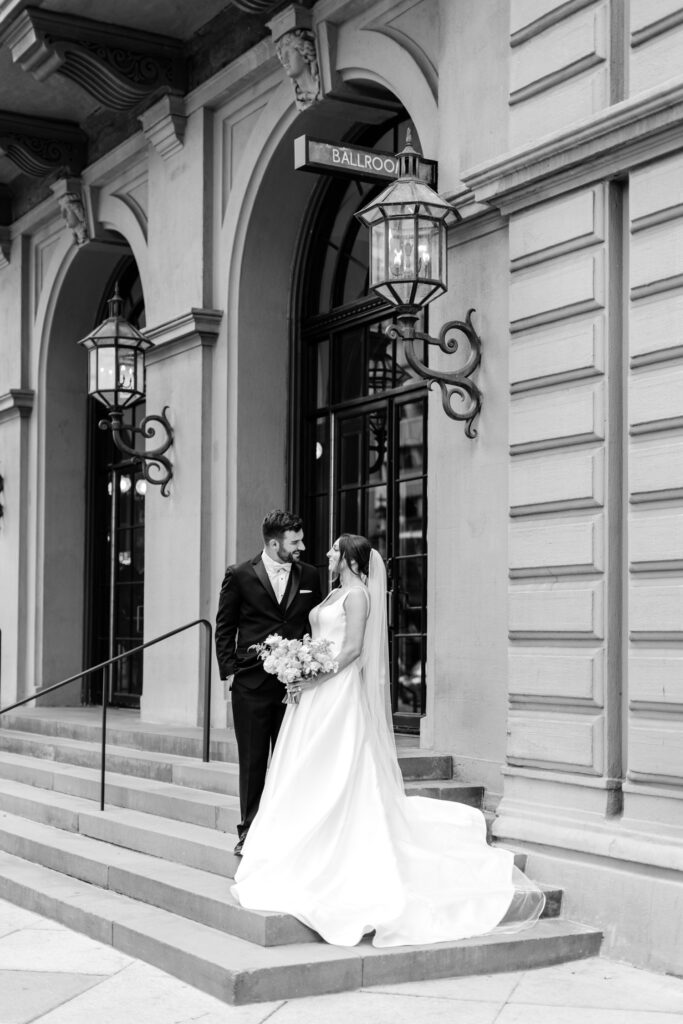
pixel 429 263
pixel 140 381
pixel 379 253
pixel 127 370
pixel 92 371
pixel 402 248
pixel 106 369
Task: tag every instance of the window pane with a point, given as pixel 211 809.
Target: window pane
pixel 322 455
pixel 411 523
pixel 321 539
pixel 348 364
pixel 381 370
pixel 350 442
pixel 411 436
pixel 323 374
pixel 408 591
pixel 409 673
pixel 376 518
pixel 349 512
pixel 408 587
pixel 376 441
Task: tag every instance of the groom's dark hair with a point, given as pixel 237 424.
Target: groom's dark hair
pixel 277 522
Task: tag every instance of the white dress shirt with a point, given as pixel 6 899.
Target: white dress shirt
pixel 278 574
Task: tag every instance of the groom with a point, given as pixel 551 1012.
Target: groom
pixel 272 593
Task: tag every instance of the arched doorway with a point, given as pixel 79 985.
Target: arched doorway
pixel 126 590
pixel 363 429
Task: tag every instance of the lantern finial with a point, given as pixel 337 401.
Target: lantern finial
pixel 115 303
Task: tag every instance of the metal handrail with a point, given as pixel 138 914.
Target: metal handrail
pixel 206 725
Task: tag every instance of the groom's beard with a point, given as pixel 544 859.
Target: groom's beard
pixel 289 556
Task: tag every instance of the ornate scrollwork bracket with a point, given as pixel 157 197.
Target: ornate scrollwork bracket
pixel 455 382
pixel 156 467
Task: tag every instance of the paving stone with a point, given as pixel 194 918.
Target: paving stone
pixel 61 951
pixel 378 1008
pixel 600 983
pixel 26 994
pixel 551 1014
pixel 478 987
pixel 141 994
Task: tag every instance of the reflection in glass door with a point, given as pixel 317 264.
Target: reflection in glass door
pixel 380 481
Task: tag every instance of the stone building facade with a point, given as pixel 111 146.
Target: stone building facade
pixel 539 566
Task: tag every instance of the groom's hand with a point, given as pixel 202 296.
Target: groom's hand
pixel 227 685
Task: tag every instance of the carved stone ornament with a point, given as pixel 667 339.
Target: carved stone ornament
pixel 164 125
pixel 119 67
pixel 297 53
pixel 256 6
pixel 69 195
pixel 39 147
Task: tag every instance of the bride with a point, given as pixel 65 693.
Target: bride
pixel 336 843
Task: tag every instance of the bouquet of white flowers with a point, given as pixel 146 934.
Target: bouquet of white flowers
pixel 290 660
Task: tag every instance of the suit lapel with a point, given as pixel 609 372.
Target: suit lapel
pixel 260 570
pixel 294 583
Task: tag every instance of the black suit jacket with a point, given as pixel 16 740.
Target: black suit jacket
pixel 248 612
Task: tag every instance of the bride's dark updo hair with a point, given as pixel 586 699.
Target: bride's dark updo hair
pixel 354 548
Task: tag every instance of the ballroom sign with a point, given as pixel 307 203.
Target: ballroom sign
pixel 335 158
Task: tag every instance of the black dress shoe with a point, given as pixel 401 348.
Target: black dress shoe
pixel 239 844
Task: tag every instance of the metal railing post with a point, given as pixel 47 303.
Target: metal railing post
pixel 207 690
pixel 104 741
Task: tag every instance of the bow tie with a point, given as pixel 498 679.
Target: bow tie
pixel 282 570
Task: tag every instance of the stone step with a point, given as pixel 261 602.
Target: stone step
pixel 182 742
pixel 124 729
pixel 239 972
pixel 182 771
pixel 192 845
pixel 185 891
pixel 448 789
pixel 218 776
pixel 181 803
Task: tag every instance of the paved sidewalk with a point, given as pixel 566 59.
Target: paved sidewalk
pixel 51 975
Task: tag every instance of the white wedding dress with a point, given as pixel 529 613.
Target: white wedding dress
pixel 338 845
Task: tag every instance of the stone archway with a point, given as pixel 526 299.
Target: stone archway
pixel 62 466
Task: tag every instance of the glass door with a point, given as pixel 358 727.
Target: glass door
pixel 380 488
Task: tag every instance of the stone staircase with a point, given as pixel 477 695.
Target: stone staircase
pixel 151 875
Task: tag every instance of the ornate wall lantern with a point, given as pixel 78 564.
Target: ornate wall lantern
pixel 116 378
pixel 408 268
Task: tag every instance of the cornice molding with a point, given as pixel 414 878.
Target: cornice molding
pixel 610 143
pixel 118 66
pixel 196 329
pixel 39 147
pixel 16 402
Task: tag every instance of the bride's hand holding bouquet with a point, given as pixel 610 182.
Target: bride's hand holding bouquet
pixel 296 663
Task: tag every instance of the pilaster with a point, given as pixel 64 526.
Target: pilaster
pixel 177 527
